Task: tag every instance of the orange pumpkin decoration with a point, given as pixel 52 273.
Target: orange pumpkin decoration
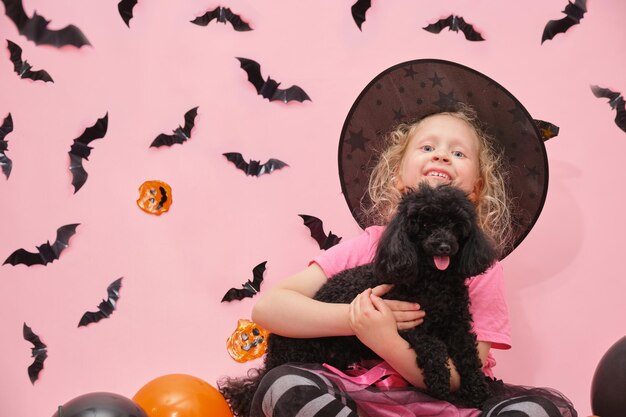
pixel 155 197
pixel 247 342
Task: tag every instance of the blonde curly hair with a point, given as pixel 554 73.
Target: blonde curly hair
pixel 491 197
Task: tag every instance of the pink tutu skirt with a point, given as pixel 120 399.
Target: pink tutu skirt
pixel 379 391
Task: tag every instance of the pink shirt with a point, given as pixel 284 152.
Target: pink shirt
pixel 486 291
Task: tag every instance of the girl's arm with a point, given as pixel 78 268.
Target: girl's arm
pixel 289 310
pixel 373 324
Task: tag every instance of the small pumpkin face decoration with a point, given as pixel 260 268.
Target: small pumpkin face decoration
pixel 247 342
pixel 155 197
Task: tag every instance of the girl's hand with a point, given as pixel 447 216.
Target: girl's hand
pixel 372 320
pixel 407 314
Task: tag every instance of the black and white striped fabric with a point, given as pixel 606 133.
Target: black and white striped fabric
pixel 524 406
pixel 299 390
pixel 288 391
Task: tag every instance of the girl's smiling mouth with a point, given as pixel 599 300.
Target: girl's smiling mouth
pixel 434 173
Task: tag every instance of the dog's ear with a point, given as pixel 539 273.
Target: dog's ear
pixel 477 253
pixel 396 257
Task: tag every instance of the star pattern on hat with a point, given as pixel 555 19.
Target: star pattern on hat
pixel 446 100
pixel 532 172
pixel 398 115
pixel 518 115
pixel 357 140
pixel 436 80
pixel 410 72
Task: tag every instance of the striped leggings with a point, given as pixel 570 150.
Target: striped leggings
pixel 290 391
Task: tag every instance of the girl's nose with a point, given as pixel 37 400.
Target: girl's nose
pixel 440 156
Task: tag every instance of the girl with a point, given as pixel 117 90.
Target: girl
pixel 444 144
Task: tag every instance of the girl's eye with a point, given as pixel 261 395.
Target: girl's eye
pixel 458 154
pixel 427 148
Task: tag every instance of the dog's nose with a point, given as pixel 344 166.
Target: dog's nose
pixel 443 249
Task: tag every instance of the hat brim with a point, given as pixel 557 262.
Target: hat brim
pixel 414 89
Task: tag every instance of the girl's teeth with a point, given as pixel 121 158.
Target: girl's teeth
pixel 438 174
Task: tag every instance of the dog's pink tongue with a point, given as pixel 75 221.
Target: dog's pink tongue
pixel 442 262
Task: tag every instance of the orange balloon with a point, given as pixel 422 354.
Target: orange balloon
pixel 179 395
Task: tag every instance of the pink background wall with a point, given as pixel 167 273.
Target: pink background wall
pixel 565 286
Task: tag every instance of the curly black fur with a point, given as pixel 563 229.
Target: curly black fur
pixel 430 222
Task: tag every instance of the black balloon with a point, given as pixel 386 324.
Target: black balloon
pixel 100 404
pixel 608 388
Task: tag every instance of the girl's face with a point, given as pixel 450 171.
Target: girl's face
pixel 443 150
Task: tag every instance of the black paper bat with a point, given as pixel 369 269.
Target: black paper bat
pixel 5 129
pixel 223 15
pixel 574 13
pixel 358 11
pixel 125 7
pixel 616 101
pixel 36 28
pixel 106 307
pixel 46 253
pixel 81 150
pixel 250 288
pixel 316 226
pixel 254 167
pixel 455 23
pixel 39 351
pixel 22 68
pixel 269 89
pixel 546 129
pixel 181 134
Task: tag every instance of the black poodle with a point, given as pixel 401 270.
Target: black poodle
pixel 427 251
